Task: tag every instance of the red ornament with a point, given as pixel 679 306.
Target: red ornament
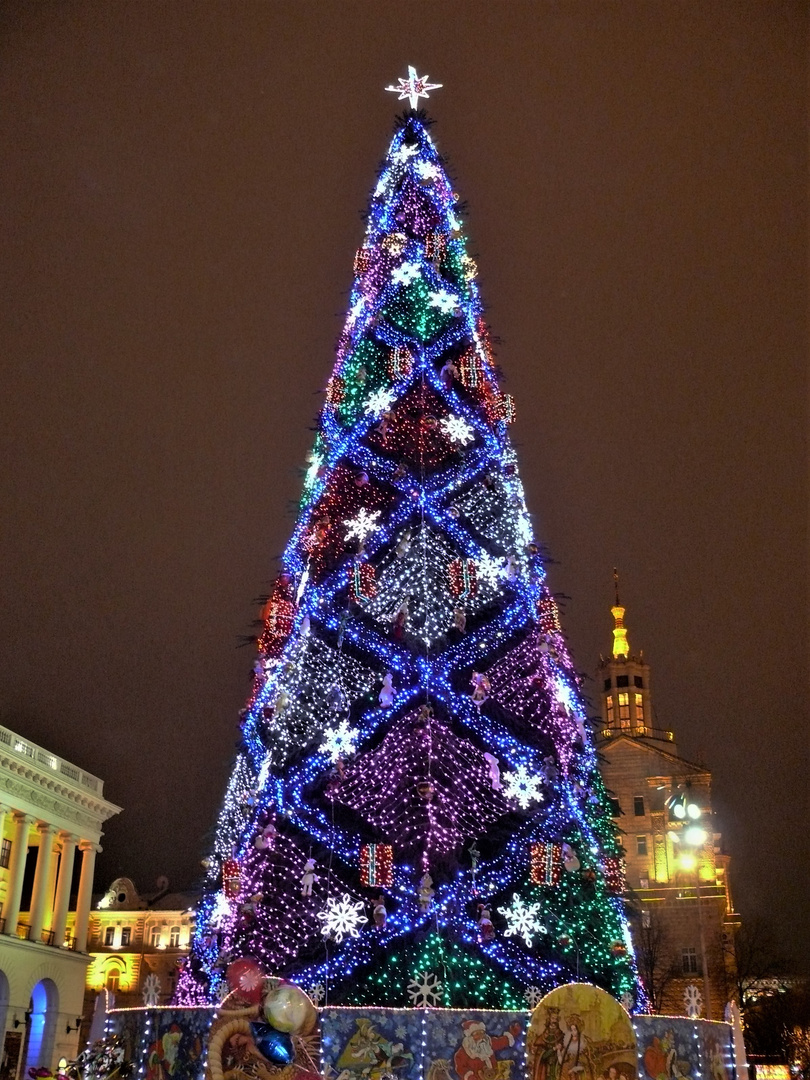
pixel 546 863
pixel 435 245
pixel 362 260
pixel 377 865
pixel 471 369
pixel 463 581
pixel 246 978
pixel 362 581
pixel 277 615
pixel 231 877
pixel 548 615
pixel 335 391
pixel 614 874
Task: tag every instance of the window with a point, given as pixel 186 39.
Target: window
pixel 622 680
pixel 610 711
pixel 624 706
pixel 607 684
pixel 646 921
pixel 174 937
pixel 615 809
pixel 126 935
pixel 638 805
pixel 109 935
pixel 641 845
pixel 690 964
pixel 639 709
pixel 5 853
pixel 638 681
pixel 113 979
pixel 154 937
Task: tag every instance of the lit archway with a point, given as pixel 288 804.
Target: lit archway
pixel 42 1026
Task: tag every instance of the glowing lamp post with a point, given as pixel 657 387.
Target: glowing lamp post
pixel 690 839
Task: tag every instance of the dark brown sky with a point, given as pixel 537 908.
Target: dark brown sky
pixel 179 205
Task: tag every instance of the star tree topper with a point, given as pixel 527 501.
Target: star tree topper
pixel 414 87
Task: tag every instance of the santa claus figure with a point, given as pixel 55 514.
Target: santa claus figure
pixel 475 1058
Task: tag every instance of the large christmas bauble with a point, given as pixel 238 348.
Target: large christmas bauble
pixel 246 978
pixel 274 1045
pixel 289 1009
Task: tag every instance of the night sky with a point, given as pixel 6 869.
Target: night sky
pixel 180 200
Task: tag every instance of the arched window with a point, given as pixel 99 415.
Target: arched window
pixel 174 937
pixel 113 980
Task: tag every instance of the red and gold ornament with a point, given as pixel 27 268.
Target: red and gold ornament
pixel 463 580
pixel 546 863
pixel 377 865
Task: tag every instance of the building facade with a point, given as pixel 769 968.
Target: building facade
pixel 677 874
pixel 51 818
pixel 136 943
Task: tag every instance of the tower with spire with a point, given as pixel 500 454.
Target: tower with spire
pixel 624 681
pixel 677 872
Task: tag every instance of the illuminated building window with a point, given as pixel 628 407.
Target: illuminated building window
pixel 639 709
pixel 5 853
pixel 109 935
pixel 154 937
pixel 624 706
pixel 641 845
pixel 174 937
pixel 113 979
pixel 126 935
pixel 638 805
pixel 690 961
pixel 610 711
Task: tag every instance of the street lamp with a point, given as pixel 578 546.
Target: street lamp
pixel 691 838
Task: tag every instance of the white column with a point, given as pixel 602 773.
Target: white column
pixel 19 850
pixel 89 850
pixel 63 887
pixel 42 879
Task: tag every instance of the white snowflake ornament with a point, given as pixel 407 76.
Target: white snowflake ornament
pixel 339 741
pixel 445 301
pixel 361 526
pixel 457 430
pixel 522 920
pixel 533 995
pixel 151 990
pixel 521 787
pixel 490 570
pixel 379 402
pixel 342 918
pixel 424 989
pixel 406 273
pixel 693 1001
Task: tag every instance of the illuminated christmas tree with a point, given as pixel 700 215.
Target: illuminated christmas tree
pixel 416 815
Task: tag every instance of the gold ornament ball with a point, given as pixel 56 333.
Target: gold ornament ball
pixel 289 1009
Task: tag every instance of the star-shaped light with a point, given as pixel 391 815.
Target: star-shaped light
pixel 361 526
pixel 444 301
pixel 414 87
pixel 457 430
pixel 405 274
pixel 379 402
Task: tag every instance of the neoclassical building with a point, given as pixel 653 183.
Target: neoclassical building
pixel 51 818
pixel 677 871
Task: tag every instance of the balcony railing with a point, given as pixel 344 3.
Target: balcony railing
pixel 639 731
pixel 36 754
